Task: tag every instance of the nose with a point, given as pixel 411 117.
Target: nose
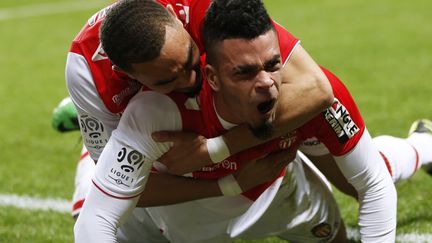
pixel 264 81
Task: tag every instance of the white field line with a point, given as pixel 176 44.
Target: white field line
pixel 31 203
pixel 48 9
pixel 64 206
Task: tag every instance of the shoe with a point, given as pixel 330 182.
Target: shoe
pixel 422 126
pixel 65 116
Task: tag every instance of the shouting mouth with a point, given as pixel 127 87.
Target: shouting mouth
pixel 266 106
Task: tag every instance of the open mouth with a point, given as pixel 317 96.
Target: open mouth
pixel 266 106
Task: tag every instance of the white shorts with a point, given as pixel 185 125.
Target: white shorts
pixel 302 209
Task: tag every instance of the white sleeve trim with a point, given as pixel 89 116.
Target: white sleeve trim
pixel 292 51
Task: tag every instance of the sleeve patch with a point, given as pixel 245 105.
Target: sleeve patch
pixel 125 172
pixel 94 134
pixel 340 121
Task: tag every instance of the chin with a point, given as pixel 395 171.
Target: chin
pixel 263 131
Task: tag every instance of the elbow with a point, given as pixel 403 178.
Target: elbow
pixel 325 91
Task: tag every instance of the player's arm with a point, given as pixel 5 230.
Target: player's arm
pixel 165 189
pixel 305 92
pixel 365 171
pixel 124 166
pixel 96 122
pixel 341 128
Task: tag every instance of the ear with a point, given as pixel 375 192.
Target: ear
pixel 118 69
pixel 212 77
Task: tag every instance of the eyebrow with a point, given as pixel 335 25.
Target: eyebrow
pixel 250 68
pixel 270 63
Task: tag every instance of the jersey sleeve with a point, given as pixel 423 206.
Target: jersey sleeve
pixel 341 129
pixel 125 163
pixel 340 126
pixel 124 166
pixel 96 122
pixel 287 42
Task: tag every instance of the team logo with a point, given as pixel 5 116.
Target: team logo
pixel 126 169
pixel 132 88
pixel 99 54
pixel 340 121
pixel 97 16
pixel 288 140
pixel 183 13
pixel 93 132
pixel 322 230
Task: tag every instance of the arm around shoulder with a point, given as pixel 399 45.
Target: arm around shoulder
pixel 305 91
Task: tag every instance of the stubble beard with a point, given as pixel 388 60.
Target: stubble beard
pixel 263 131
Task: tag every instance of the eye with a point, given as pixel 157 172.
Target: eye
pixel 273 65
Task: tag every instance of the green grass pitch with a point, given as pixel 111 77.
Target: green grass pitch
pixel 381 50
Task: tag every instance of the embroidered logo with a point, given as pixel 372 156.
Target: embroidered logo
pixel 288 140
pixel 99 54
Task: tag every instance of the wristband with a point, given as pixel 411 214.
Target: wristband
pixel 229 186
pixel 217 149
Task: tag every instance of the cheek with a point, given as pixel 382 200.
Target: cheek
pixel 277 78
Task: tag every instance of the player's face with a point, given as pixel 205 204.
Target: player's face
pixel 246 79
pixel 176 69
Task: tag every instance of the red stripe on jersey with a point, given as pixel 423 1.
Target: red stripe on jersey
pixel 387 163
pixel 78 205
pixel 417 159
pixel 83 156
pixel 106 193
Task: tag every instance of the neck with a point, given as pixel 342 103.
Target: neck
pixel 223 110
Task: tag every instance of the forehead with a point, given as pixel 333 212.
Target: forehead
pixel 243 51
pixel 173 55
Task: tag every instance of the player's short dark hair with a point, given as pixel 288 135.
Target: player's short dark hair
pixel 228 19
pixel 133 31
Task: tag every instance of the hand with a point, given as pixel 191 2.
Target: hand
pixel 256 172
pixel 189 152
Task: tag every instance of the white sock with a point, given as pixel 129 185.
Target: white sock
pixel 423 143
pixel 402 158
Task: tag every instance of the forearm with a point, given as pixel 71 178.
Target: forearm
pixel 305 92
pixel 165 189
pixel 364 169
pixel 100 217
